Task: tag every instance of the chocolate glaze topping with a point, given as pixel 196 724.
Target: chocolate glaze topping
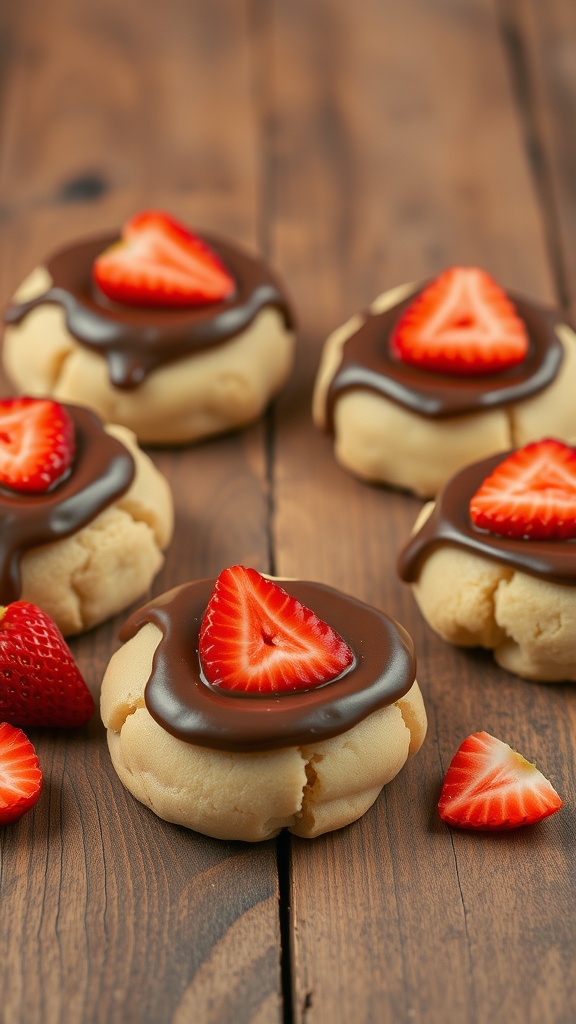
pixel 183 703
pixel 102 471
pixel 368 362
pixel 136 340
pixel 450 523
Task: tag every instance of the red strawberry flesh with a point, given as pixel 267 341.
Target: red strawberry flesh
pixel 36 444
pixel 158 262
pixel 257 638
pixel 20 774
pixel 462 323
pixel 40 684
pixel 531 494
pixel 490 787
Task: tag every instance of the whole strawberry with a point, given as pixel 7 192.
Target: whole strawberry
pixel 39 681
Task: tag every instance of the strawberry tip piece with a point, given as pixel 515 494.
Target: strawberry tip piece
pixel 37 444
pixel 158 262
pixel 531 494
pixel 40 683
pixel 20 774
pixel 256 638
pixel 490 787
pixel 461 324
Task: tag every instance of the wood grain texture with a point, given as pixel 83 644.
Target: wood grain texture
pixel 410 157
pixel 109 914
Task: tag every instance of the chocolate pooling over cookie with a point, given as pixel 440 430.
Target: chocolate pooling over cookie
pixel 184 704
pixel 135 340
pixel 367 362
pixel 450 523
pixel 101 472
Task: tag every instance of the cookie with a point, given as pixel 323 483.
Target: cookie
pixel 411 414
pixel 90 543
pixel 236 763
pixel 513 593
pixel 192 337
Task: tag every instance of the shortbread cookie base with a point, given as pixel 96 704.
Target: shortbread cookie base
pixel 471 601
pixel 250 796
pixel 383 442
pixel 215 390
pixel 84 579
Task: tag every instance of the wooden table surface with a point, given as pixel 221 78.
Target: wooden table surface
pixel 357 145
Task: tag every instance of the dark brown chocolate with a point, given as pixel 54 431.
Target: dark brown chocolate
pixel 368 362
pixel 102 471
pixel 450 523
pixel 136 340
pixel 184 704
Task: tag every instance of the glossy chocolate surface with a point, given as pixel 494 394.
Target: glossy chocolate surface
pixel 185 705
pixel 136 340
pixel 450 523
pixel 368 362
pixel 102 471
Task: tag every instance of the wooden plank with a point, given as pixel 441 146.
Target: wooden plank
pixel 397 150
pixel 542 41
pixel 109 914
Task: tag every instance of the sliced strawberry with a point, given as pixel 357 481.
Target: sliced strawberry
pixel 39 681
pixel 159 262
pixel 36 444
pixel 255 637
pixel 489 786
pixel 462 323
pixel 20 775
pixel 531 494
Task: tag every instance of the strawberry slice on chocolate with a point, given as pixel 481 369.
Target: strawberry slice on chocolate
pixel 531 494
pixel 257 638
pixel 462 323
pixel 490 787
pixel 158 262
pixel 36 444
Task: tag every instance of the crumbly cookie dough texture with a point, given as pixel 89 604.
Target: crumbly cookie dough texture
pixel 84 579
pixel 383 442
pixel 471 601
pixel 250 796
pixel 216 390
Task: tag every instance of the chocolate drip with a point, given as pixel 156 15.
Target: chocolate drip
pixel 102 471
pixel 450 523
pixel 136 340
pixel 185 705
pixel 368 362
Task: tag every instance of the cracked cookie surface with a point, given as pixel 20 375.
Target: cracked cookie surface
pixel 84 579
pixel 381 441
pixel 309 789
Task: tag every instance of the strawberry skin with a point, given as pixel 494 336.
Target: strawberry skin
pixel 490 787
pixel 158 262
pixel 20 774
pixel 36 444
pixel 40 684
pixel 462 323
pixel 257 638
pixel 531 494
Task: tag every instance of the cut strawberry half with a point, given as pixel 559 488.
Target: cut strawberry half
pixel 40 683
pixel 462 323
pixel 491 787
pixel 158 262
pixel 20 774
pixel 36 444
pixel 256 637
pixel 531 494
